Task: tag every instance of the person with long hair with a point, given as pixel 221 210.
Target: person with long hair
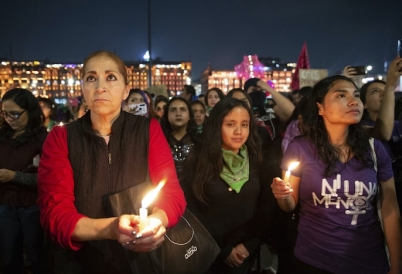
pixel 49 110
pixel 160 103
pixel 378 98
pixel 105 152
pixel 132 103
pixel 212 97
pixel 21 139
pixel 180 130
pixel 222 186
pixel 336 186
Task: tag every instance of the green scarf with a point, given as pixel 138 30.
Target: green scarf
pixel 236 168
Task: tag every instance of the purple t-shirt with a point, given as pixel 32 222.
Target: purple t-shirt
pixel 339 229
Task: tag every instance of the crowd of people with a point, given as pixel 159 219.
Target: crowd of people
pixel 224 157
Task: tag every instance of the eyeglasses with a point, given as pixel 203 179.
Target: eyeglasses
pixel 12 115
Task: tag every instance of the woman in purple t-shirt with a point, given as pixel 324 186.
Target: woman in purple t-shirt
pixel 336 186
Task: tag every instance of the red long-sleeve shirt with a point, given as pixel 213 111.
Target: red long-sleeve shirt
pixel 59 215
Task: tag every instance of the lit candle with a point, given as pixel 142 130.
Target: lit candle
pixel 292 166
pixel 148 199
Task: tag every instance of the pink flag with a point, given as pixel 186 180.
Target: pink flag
pixel 302 63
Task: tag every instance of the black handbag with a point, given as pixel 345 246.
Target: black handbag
pixel 188 246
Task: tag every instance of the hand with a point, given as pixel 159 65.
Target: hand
pixel 348 71
pixel 394 73
pixel 146 240
pixel 235 259
pixel 264 86
pixel 6 175
pixel 128 109
pixel 243 250
pixel 280 189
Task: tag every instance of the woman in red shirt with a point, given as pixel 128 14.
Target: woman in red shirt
pixel 100 154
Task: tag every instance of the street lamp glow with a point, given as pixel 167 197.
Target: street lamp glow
pixel 146 56
pixel 369 67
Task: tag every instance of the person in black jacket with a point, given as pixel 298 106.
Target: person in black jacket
pixel 222 186
pixel 21 138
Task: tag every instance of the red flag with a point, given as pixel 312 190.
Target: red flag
pixel 302 63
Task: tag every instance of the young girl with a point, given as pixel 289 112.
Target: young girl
pixel 222 186
pixel 336 186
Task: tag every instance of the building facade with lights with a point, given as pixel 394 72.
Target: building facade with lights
pixel 274 70
pixel 61 81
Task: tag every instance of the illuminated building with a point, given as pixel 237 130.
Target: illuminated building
pixel 173 75
pixel 64 80
pixel 47 80
pixel 276 71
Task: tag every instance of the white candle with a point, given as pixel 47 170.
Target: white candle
pixel 148 199
pixel 292 166
pixel 143 218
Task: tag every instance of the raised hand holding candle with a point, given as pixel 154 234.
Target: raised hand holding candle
pixel 148 199
pixel 292 166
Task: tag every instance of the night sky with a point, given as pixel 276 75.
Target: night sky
pixel 220 32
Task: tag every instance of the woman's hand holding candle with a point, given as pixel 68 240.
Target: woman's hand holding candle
pixel 281 188
pixel 145 240
pixel 292 166
pixel 148 199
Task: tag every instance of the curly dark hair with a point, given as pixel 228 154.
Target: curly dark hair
pixel 27 101
pixel 314 129
pixel 205 162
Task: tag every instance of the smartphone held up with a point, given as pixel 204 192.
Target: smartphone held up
pixel 138 109
pixel 359 70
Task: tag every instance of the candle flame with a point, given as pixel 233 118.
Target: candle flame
pixel 150 197
pixel 293 165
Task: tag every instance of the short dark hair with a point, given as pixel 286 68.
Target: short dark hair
pixel 189 90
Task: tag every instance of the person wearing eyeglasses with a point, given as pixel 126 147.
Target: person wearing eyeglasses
pixel 21 139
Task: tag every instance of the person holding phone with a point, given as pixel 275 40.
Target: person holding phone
pixel 378 98
pixel 136 103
